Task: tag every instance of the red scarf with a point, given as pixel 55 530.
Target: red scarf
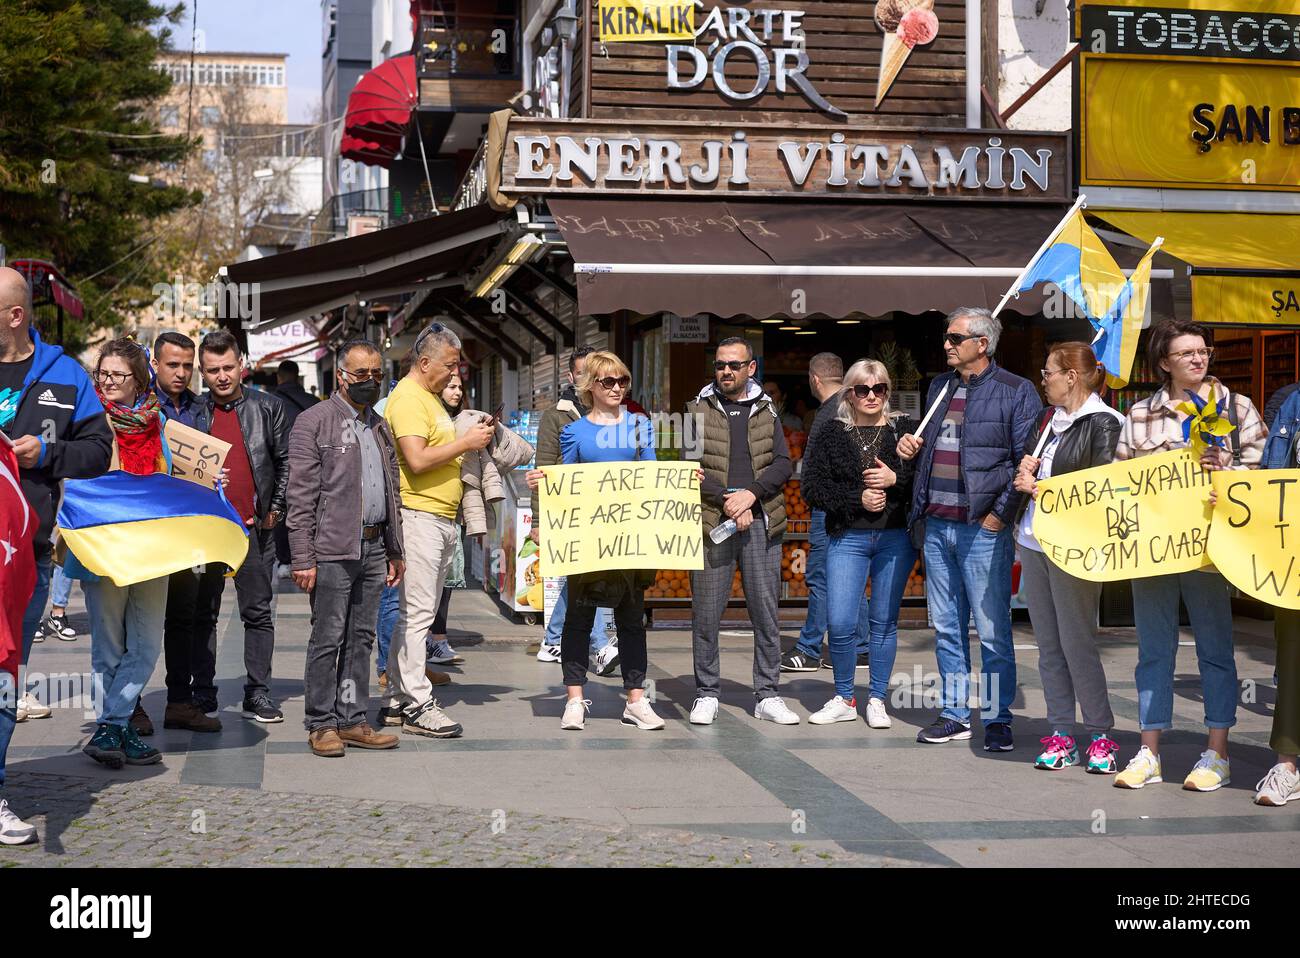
pixel 139 433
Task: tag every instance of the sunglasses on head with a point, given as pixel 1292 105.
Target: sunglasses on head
pixel 956 339
pixel 609 382
pixel 428 331
pixel 862 391
pixel 735 365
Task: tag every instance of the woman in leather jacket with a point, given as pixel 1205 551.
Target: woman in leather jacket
pixel 1062 608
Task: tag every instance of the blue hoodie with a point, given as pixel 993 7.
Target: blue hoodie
pixel 58 405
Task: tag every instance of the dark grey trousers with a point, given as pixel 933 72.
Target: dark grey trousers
pixel 1063 612
pixel 344 614
pixel 760 574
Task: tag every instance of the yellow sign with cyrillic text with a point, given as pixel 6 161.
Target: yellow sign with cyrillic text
pixel 605 516
pixel 636 21
pixel 1255 535
pixel 1127 520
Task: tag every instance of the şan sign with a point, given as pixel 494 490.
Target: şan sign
pixel 1202 95
pixel 557 156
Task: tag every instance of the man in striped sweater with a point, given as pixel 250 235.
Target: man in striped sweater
pixel 964 506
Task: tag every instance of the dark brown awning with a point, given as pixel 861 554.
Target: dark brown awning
pixel 797 259
pixel 388 262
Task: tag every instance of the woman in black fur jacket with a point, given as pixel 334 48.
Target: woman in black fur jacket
pixel 853 473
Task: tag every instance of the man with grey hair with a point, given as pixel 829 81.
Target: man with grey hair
pixel 429 455
pixel 963 507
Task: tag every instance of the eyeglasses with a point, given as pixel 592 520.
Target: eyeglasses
pixel 1206 353
pixel 105 376
pixel 735 365
pixel 1051 372
pixel 609 382
pixel 362 375
pixel 956 339
pixel 862 391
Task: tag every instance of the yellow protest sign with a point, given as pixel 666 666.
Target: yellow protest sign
pixel 1127 520
pixel 635 21
pixel 620 515
pixel 1252 541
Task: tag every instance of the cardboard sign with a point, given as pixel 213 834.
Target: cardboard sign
pixel 620 515
pixel 688 329
pixel 196 456
pixel 1252 539
pixel 1128 520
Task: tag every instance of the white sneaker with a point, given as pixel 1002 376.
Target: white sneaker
pixel 877 717
pixel 1278 787
pixel 704 711
pixel 441 653
pixel 640 714
pixel 13 830
pixel 575 714
pixel 548 653
pixel 774 709
pixel 607 659
pixel 836 710
pixel 33 708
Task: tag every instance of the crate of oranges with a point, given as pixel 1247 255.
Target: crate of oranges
pixel 670 584
pixel 796 440
pixel 795 507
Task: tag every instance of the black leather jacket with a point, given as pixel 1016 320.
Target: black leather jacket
pixel 1090 441
pixel 266 439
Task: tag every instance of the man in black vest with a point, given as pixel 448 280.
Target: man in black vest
pixel 742 450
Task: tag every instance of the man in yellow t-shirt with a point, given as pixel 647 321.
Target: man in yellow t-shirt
pixel 429 455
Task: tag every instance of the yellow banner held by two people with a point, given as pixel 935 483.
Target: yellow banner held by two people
pixel 1255 536
pixel 620 515
pixel 1127 520
pixel 635 21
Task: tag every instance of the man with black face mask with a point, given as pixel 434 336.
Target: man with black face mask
pixel 345 534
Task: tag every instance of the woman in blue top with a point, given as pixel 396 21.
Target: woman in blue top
pixel 609 433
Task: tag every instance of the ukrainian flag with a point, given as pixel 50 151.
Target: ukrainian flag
pixel 1076 260
pixel 136 528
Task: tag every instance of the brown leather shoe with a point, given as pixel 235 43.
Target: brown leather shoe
pixel 363 736
pixel 326 743
pixel 188 716
pixel 140 720
pixel 437 678
pixel 383 682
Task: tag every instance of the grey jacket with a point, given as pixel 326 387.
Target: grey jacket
pixel 324 490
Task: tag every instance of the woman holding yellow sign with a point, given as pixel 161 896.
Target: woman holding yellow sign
pixel 1164 421
pixel 1079 431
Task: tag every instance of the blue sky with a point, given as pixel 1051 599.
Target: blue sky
pixel 265 26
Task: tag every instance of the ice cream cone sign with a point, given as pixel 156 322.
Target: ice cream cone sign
pixel 905 24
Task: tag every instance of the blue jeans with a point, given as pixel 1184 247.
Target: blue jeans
pixel 389 601
pixel 60 589
pixel 126 639
pixel 1155 613
pixel 968 569
pixel 555 627
pixel 815 625
pixel 887 556
pixel 9 695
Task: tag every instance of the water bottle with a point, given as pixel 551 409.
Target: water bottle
pixel 722 532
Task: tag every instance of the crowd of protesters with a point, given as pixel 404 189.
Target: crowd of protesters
pixel 365 492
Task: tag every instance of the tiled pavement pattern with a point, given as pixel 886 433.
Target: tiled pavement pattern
pixel 516 790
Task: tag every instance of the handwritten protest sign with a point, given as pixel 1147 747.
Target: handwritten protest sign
pixel 620 515
pixel 1128 520
pixel 1252 539
pixel 196 456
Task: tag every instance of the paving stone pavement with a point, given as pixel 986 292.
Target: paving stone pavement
pixel 148 824
pixel 737 792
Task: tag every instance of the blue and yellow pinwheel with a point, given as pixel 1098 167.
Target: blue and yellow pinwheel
pixel 1205 424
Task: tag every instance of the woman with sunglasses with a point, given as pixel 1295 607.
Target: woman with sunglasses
pixel 126 622
pixel 608 433
pixel 855 475
pixel 1177 350
pixel 1063 610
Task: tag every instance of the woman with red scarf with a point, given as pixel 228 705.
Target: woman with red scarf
pixel 126 622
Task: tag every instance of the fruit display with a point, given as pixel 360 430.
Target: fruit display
pixel 795 506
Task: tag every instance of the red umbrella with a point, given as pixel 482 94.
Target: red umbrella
pixel 363 150
pixel 384 98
